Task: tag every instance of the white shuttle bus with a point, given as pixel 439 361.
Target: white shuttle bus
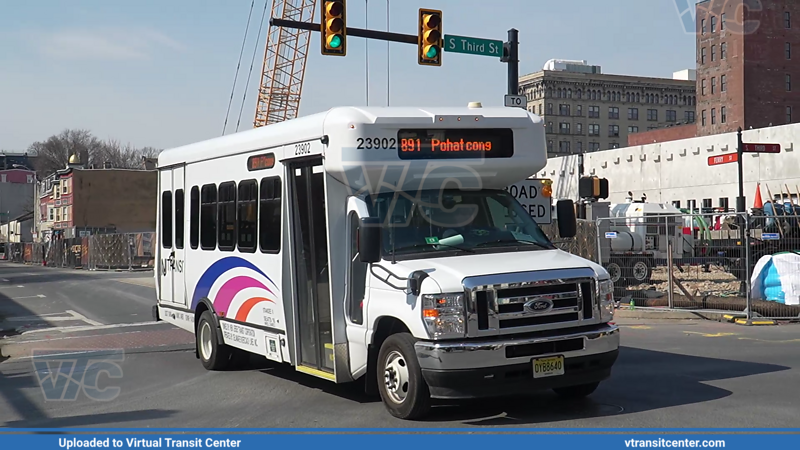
pixel 380 244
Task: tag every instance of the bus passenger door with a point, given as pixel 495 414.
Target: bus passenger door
pixel 165 236
pixel 306 183
pixel 178 266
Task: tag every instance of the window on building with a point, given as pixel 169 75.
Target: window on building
pixel 703 87
pixel 563 110
pixel 703 55
pixel 723 83
pixel 194 217
pixel 594 129
pixel 594 146
pixel 676 203
pixel 613 145
pixel 613 131
pixel 550 146
pixel 722 115
pixel 549 108
pixel 703 118
pixel 633 113
pixel 713 24
pixel 652 115
pixel 270 226
pixel 166 219
pixel 713 116
pixel 180 218
pixel 594 112
pixel 703 27
pixel 672 116
pixel 788 83
pixel 3 178
pixel 722 22
pixel 707 204
pixel 713 85
pixel 563 147
pixel 579 147
pixel 788 114
pixel 549 127
pixel 723 50
pixel 788 50
pixel 633 129
pixel 723 203
pixel 713 53
pixel 208 217
pixel 579 110
pixel 563 128
pixel 247 216
pixel 66 213
pixel 579 128
pixel 226 216
pixel 51 214
pixel 787 19
pixel 613 112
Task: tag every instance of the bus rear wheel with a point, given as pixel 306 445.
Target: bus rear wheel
pixel 402 387
pixel 213 355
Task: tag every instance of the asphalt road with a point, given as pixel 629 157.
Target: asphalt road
pixel 670 374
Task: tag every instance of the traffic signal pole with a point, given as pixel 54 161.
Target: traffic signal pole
pixel 513 61
pixel 357 32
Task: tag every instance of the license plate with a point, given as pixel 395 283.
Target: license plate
pixel 548 367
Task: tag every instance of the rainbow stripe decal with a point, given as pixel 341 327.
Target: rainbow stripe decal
pixel 231 287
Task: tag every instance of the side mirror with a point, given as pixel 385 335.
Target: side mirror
pixel 369 240
pixel 567 222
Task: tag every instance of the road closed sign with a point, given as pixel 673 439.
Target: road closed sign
pixel 529 194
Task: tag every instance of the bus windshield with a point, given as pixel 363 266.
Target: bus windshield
pixel 454 220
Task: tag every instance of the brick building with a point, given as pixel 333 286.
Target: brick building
pixel 75 202
pixel 747 55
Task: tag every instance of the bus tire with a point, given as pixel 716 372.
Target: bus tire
pixel 213 355
pixel 403 389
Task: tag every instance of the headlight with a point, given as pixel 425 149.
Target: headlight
pixel 606 297
pixel 444 315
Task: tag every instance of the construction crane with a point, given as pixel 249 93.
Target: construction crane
pixel 284 66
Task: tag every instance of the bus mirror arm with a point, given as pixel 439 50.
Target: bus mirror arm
pixel 413 283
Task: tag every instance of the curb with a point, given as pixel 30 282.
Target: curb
pixel 670 314
pixel 755 322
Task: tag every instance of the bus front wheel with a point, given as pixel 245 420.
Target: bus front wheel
pixel 402 387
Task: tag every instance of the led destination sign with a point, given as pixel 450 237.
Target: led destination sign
pixel 473 143
pixel 261 162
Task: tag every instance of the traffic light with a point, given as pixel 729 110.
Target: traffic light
pixel 429 38
pixel 593 187
pixel 334 28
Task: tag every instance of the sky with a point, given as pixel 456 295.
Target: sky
pixel 160 73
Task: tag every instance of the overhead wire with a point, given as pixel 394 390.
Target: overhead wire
pixel 252 63
pixel 238 64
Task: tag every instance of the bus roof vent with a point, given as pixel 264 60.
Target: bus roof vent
pixel 474 105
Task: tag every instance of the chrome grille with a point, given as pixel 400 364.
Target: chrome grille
pixel 530 301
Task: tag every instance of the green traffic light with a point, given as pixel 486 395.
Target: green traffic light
pixel 431 53
pixel 336 41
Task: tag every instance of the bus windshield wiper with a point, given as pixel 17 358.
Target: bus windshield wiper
pixel 514 241
pixel 413 246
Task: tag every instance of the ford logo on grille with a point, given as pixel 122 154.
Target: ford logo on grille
pixel 539 306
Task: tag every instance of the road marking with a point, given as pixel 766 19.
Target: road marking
pixel 711 335
pixel 42 318
pixel 639 327
pixel 33 341
pixel 76 328
pixel 768 340
pixel 80 316
pixel 5 280
pixel 30 296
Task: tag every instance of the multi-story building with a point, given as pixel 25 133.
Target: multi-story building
pixel 585 110
pixel 75 202
pixel 748 55
pixel 17 181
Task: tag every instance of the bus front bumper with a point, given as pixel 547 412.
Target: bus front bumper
pixel 493 368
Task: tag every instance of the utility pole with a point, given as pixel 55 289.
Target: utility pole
pixel 740 205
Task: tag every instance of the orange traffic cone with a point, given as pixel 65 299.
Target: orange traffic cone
pixel 758 203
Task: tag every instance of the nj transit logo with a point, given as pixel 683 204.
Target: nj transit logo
pixel 688 10
pixel 63 377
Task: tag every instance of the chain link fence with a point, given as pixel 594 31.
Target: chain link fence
pixel 129 251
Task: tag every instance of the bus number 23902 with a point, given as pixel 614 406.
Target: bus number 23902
pixel 377 143
pixel 302 149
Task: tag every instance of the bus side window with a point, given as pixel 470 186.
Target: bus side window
pixel 208 217
pixel 247 218
pixel 194 217
pixel 227 216
pixel 270 226
pixel 166 219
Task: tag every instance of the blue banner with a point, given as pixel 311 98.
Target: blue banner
pixel 397 439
